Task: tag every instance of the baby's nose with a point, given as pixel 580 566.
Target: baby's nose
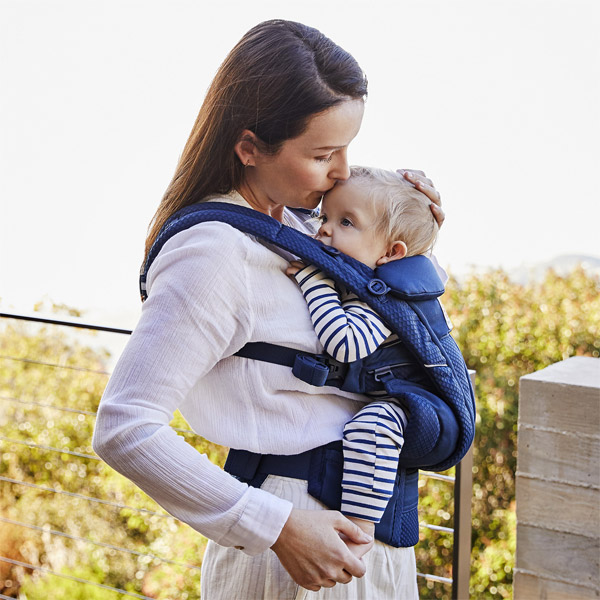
pixel 323 231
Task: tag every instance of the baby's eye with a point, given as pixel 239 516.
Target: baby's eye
pixel 322 218
pixel 346 223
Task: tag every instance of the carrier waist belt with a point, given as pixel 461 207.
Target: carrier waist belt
pixel 322 468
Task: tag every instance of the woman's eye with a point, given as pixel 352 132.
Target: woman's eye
pixel 324 159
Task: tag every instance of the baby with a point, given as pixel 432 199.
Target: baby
pixel 376 217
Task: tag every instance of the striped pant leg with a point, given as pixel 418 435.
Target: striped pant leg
pixel 229 574
pixel 372 443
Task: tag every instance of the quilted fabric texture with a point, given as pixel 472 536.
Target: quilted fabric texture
pixel 449 372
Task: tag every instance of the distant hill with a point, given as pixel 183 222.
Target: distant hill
pixel 563 265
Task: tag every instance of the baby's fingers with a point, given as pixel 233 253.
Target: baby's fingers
pixel 294 267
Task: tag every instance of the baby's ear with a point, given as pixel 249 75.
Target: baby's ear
pixel 396 250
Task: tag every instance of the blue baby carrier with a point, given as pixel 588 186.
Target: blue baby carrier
pixel 441 425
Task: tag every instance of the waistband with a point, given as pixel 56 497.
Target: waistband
pixel 249 466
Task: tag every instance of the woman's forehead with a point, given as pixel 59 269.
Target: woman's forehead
pixel 333 129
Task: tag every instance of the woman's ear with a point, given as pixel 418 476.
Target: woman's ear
pixel 246 148
pixel 396 250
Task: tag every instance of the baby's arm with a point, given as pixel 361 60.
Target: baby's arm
pixel 348 329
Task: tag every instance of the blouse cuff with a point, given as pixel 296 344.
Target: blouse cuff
pixel 260 523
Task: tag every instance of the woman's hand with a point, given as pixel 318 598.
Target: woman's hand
pixel 425 185
pixel 359 550
pixel 311 550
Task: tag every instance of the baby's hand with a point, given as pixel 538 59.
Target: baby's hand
pixel 294 267
pixel 359 550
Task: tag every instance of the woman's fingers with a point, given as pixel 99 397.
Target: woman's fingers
pixel 312 551
pixel 429 190
pixel 438 213
pixel 425 185
pixel 415 176
pixel 422 183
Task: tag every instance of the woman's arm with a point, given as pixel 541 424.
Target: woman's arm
pixel 186 327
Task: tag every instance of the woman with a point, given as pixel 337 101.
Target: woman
pixel 272 134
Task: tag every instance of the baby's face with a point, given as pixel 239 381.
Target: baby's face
pixel 348 223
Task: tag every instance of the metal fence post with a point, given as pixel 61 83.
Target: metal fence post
pixel 461 563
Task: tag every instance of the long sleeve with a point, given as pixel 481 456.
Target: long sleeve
pixel 348 329
pixel 195 316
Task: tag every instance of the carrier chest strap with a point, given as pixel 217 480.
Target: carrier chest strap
pixel 315 369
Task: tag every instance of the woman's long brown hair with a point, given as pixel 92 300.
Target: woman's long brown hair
pixel 277 76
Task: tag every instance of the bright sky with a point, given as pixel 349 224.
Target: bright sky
pixel 496 101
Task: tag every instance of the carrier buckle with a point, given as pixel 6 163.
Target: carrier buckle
pixel 383 374
pixel 317 370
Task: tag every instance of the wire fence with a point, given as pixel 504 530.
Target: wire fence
pixel 73 458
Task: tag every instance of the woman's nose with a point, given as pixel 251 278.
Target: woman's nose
pixel 340 169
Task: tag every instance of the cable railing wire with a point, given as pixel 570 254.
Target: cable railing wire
pixel 76 410
pixel 436 578
pixel 49 406
pixel 437 528
pixel 96 543
pixel 30 361
pixel 48 448
pixel 19 563
pixel 43 488
pixel 65 323
pixel 434 475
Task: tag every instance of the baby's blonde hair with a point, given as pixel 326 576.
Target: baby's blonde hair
pixel 404 211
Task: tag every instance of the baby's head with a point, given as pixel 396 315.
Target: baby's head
pixel 376 216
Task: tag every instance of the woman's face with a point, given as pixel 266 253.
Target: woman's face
pixel 306 166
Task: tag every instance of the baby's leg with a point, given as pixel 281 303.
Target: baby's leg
pixel 372 443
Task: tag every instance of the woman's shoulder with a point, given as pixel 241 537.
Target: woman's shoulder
pixel 211 240
pixel 201 254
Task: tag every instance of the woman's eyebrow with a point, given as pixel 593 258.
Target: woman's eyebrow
pixel 328 148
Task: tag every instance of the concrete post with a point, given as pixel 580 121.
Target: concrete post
pixel 558 483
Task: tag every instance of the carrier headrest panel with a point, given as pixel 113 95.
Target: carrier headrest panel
pixel 412 279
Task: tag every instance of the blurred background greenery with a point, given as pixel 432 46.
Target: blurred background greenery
pixel 505 330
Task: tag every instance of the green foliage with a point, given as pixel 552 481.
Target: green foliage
pixel 46 420
pixel 504 330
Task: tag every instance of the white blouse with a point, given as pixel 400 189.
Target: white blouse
pixel 211 290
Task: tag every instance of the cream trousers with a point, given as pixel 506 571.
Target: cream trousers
pixel 228 574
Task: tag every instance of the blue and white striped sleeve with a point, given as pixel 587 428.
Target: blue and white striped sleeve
pixel 348 329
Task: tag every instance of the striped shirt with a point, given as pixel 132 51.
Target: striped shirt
pixel 350 330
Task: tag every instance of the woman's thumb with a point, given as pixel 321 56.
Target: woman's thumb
pixel 353 532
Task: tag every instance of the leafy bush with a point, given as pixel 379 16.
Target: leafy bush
pixel 506 330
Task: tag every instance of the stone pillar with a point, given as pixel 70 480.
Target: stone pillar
pixel 558 483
